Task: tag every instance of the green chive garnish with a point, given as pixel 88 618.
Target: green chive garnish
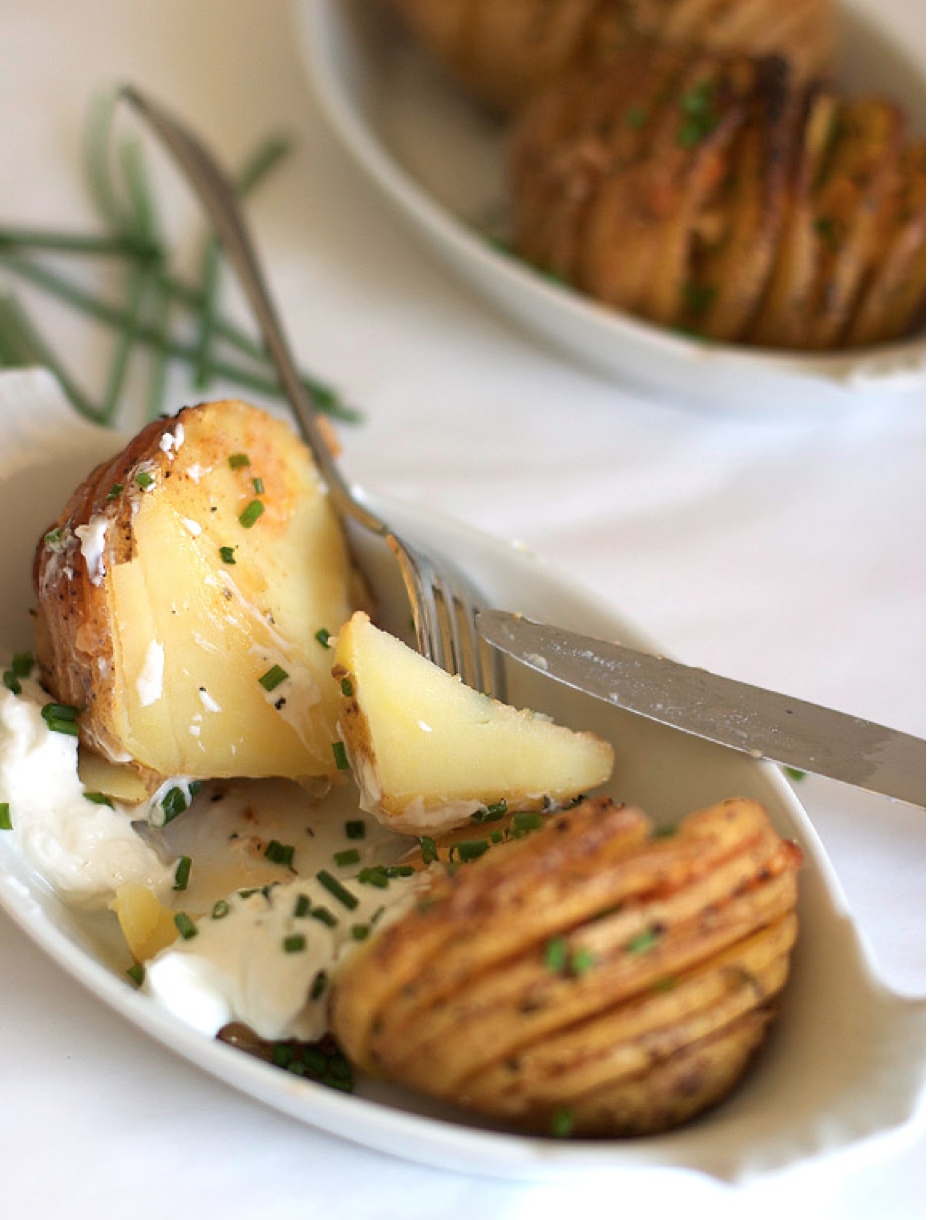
pixel 258 485
pixel 53 537
pixel 273 678
pixel 319 985
pixel 137 973
pixel 21 664
pixel 323 636
pixel 341 755
pixel 294 944
pixel 238 460
pixel 524 823
pixel 227 554
pixel 555 952
pixel 360 931
pixel 350 856
pixel 61 718
pixel 98 798
pixel 11 682
pixel 581 962
pixel 347 688
pixel 562 1122
pixel 643 941
pixel 336 889
pixel 144 479
pixel 428 849
pixel 279 853
pixel 301 907
pixel 324 915
pixel 185 926
pixel 115 491
pixel 250 514
pixel 174 804
pixel 468 849
pixel 182 874
pixel 6 822
pixel 355 829
pixel 220 909
pixel 375 875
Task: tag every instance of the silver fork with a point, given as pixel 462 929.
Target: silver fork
pixel 443 601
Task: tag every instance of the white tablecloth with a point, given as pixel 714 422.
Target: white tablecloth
pixel 787 551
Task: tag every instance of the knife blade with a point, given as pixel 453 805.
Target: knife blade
pixel 761 723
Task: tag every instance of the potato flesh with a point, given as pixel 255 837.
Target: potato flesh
pixel 436 741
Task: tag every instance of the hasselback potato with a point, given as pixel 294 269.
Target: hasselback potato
pixel 503 51
pixel 711 194
pixel 593 976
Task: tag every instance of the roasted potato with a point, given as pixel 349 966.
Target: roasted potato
pixel 178 598
pixel 429 752
pixel 709 194
pixel 504 51
pixel 595 975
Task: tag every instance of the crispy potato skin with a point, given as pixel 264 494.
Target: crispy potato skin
pixel 594 965
pixel 713 195
pixel 504 51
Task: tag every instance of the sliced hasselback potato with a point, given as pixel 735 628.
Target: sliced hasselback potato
pixel 594 975
pixel 504 51
pixel 178 598
pixel 711 195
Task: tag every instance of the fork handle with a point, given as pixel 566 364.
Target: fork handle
pixel 216 194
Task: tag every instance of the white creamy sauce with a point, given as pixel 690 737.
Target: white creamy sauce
pixel 259 961
pixel 93 546
pixel 193 528
pixel 84 851
pixel 170 442
pixel 208 701
pixel 149 683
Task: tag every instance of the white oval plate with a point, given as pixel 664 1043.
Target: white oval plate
pixel 438 161
pixel 843 1071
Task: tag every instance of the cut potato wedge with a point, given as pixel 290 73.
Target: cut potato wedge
pixel 179 596
pixel 147 925
pixel 428 751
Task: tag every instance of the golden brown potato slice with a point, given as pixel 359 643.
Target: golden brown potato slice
pixel 589 967
pixel 428 751
pixel 179 594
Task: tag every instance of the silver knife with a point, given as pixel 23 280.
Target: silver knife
pixel 758 722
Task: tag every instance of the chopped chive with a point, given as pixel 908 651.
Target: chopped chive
pixel 53 537
pixel 115 491
pixel 227 554
pixel 562 1122
pixel 182 874
pixel 374 875
pixel 496 836
pixel 6 822
pixel 400 870
pixel 238 460
pixel 144 479
pixel 468 849
pixel 21 664
pixel 555 953
pixel 581 962
pixel 185 925
pixel 492 813
pixel 319 985
pixel 341 755
pixel 355 829
pixel 279 853
pixel 220 909
pixel 137 973
pixel 428 849
pixel 524 823
pixel 250 514
pixel 350 856
pixel 324 916
pixel 794 773
pixel 174 804
pixel 61 718
pixel 336 889
pixel 282 1054
pixel 273 678
pixel 643 941
pixel 360 931
pixel 258 485
pixel 323 636
pixel 11 682
pixel 347 688
pixel 294 944
pixel 98 798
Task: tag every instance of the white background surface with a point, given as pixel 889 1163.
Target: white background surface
pixel 783 551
